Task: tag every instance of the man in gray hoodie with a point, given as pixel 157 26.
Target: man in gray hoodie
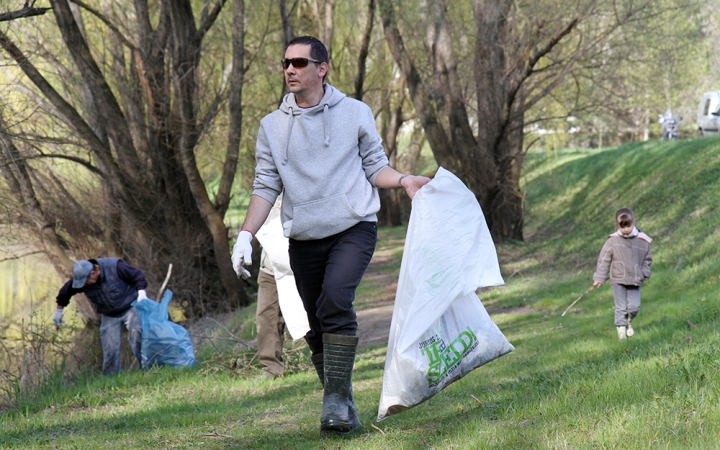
pixel 322 150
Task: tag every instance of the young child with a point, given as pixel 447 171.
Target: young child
pixel 626 256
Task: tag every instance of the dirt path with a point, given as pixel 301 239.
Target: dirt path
pixel 374 321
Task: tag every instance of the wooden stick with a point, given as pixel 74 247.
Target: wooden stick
pixel 162 288
pixel 577 299
pixel 238 339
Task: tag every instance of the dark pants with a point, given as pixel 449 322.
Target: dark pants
pixel 327 272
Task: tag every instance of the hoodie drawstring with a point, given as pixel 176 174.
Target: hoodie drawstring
pixel 326 130
pixel 287 142
pixel 327 126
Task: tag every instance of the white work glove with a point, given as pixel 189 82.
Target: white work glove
pixel 242 254
pixel 141 295
pixel 58 317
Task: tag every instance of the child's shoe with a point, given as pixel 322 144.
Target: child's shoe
pixel 622 334
pixel 629 332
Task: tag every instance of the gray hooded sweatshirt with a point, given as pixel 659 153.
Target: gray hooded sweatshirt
pixel 326 159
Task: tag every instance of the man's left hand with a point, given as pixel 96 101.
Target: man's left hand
pixel 58 317
pixel 413 183
pixel 141 295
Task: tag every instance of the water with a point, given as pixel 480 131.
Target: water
pixel 28 286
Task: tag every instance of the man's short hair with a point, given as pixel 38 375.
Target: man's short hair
pixel 317 48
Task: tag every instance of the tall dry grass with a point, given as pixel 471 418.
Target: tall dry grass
pixel 42 360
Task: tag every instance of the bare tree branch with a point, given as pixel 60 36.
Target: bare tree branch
pixel 74 159
pixel 63 107
pixel 209 20
pixel 27 11
pixel 107 22
pixel 549 46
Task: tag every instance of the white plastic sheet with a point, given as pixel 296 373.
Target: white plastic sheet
pixel 275 244
pixel 440 330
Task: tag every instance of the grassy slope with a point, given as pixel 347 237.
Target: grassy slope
pixel 569 384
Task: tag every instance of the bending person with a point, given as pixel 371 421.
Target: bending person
pixel 111 285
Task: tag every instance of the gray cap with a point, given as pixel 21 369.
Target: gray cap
pixel 80 272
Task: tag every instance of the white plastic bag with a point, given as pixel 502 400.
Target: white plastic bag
pixel 440 330
pixel 275 244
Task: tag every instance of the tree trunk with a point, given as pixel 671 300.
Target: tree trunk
pixel 439 140
pixel 364 50
pixel 500 132
pixel 287 35
pixel 186 57
pixel 158 209
pixel 443 114
pixel 417 140
pixel 237 79
pixel 489 162
pixel 329 25
pixel 392 209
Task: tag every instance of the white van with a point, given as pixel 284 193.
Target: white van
pixel 708 115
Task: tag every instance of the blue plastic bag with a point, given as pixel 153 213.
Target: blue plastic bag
pixel 163 342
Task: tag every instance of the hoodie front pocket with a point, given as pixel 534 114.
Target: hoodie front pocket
pixel 321 218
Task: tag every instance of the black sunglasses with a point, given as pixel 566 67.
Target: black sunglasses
pixel 298 63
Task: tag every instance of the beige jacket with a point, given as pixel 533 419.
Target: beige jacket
pixel 627 259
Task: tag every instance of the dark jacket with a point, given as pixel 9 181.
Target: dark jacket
pixel 114 291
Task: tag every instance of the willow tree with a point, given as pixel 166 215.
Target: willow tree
pixel 130 97
pixel 474 69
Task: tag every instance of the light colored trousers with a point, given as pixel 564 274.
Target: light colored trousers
pixel 270 326
pixel 111 338
pixel 627 303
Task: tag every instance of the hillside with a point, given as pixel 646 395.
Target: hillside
pixel 569 384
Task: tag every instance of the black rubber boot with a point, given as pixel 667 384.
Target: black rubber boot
pixel 339 414
pixel 318 361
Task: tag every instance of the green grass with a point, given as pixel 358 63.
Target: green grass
pixel 569 384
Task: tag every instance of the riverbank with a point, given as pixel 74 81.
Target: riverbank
pixel 569 384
